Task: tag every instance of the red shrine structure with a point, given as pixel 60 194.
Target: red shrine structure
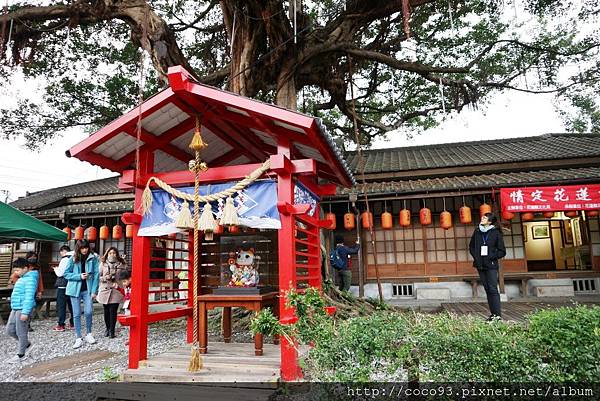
pixel 241 135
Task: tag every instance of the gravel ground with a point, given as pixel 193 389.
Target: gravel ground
pixel 50 344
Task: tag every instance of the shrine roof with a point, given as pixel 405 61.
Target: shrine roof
pixel 238 130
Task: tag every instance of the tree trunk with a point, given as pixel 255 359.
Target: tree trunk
pixel 287 95
pixel 243 34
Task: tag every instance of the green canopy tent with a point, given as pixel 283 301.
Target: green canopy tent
pixel 18 226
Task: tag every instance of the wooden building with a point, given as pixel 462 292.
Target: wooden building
pixel 448 176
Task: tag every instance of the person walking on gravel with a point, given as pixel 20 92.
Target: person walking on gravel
pixel 109 295
pixel 82 276
pixel 22 302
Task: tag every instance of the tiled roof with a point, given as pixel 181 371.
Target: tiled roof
pixel 543 147
pixel 87 209
pixel 480 181
pixel 37 200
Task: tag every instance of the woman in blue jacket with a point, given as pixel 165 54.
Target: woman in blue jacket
pixel 82 276
pixel 22 302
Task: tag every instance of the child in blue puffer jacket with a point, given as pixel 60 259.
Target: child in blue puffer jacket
pixel 22 302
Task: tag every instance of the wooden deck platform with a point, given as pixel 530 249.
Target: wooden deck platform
pixel 513 310
pixel 231 362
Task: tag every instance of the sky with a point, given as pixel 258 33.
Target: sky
pixel 508 115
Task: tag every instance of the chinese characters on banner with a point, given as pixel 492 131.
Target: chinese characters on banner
pixel 542 199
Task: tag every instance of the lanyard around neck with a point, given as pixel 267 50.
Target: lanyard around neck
pixel 485 237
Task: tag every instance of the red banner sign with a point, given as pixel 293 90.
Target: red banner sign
pixel 542 199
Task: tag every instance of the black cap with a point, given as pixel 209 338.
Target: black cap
pixel 20 262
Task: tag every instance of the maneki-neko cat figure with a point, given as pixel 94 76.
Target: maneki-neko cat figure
pixel 244 268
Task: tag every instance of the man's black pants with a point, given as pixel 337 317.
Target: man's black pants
pixel 62 303
pixel 489 280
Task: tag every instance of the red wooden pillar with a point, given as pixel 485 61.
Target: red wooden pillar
pixel 140 278
pixel 317 279
pixel 287 263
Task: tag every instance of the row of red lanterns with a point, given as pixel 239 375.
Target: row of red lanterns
pixel 404 218
pixel 91 234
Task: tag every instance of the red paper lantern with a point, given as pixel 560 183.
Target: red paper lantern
pixel 508 215
pixel 367 219
pixel 79 233
pixel 117 232
pixel 92 233
pixel 548 215
pixel 219 230
pixel 129 231
pixel 104 232
pixel 571 213
pixel 68 231
pixel 484 209
pixel 349 221
pixel 527 216
pixel 425 216
pixel 331 217
pixel 464 215
pixel 445 220
pixel 404 218
pixel 233 229
pixel 386 221
pixel 592 213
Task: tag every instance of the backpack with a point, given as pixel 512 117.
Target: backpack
pixel 336 261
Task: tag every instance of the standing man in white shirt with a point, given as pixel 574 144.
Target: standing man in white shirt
pixel 62 300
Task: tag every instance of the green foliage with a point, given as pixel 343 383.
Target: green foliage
pixel 108 374
pixel 267 324
pixel 569 340
pixel 553 346
pixel 469 349
pixel 88 69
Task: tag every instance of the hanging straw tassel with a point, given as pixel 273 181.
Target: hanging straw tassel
pixel 195 362
pixel 184 219
pixel 230 216
pixel 207 220
pixel 147 198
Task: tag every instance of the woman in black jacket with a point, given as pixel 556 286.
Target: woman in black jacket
pixel 486 247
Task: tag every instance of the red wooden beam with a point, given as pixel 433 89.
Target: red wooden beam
pixel 223 173
pixel 226 158
pixel 248 137
pixel 185 177
pixel 153 143
pixel 216 96
pixel 156 102
pixel 288 209
pixel 318 189
pixel 98 160
pixel 165 138
pixel 208 120
pixel 257 123
pixel 131 218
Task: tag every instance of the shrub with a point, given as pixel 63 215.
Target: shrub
pixel 552 346
pixel 568 338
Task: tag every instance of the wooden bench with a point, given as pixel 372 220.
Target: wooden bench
pixel 520 278
pixel 4 302
pixel 48 296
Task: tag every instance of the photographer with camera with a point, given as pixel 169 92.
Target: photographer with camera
pixel 108 294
